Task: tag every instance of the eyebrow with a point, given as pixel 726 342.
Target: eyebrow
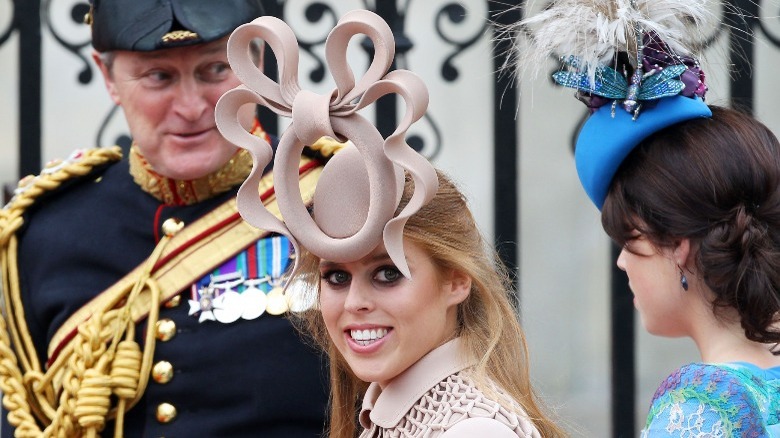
pixel 382 256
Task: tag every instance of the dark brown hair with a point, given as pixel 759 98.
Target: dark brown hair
pixel 713 181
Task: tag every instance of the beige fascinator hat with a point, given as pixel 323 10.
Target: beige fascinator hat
pixel 359 190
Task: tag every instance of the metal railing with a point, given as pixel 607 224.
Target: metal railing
pixel 30 18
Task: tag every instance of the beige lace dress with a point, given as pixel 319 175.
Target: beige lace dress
pixel 436 397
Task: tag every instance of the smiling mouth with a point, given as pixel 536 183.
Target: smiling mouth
pixel 367 337
pixel 191 134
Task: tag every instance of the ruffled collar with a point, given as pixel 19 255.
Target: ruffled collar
pixel 386 407
pixel 171 191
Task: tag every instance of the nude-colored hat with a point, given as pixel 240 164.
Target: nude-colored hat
pixel 358 193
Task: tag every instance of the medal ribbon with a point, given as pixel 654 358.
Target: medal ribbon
pixel 265 260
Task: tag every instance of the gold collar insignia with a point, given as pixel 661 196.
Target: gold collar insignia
pixel 186 192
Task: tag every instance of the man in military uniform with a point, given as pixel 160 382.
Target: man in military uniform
pixel 137 300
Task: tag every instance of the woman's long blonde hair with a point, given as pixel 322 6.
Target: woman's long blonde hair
pixel 488 322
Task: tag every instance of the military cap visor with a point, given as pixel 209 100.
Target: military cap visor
pixel 146 25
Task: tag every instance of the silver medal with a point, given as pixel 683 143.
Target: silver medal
pixel 227 307
pixel 254 302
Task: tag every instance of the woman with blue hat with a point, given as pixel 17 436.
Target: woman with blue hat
pixel 690 192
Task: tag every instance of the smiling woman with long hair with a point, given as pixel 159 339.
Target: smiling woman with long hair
pixel 411 304
pixel 443 351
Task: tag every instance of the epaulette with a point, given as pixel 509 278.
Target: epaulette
pixel 80 163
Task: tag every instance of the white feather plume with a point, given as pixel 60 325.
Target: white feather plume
pixel 595 30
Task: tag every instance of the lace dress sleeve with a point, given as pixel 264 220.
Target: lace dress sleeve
pixel 701 400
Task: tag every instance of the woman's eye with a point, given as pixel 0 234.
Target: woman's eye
pixel 388 274
pixel 336 278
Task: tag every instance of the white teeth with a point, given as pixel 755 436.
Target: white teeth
pixel 365 337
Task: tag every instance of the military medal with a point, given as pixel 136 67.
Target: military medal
pixel 277 302
pixel 254 300
pixel 210 301
pixel 246 286
pixel 227 307
pixel 202 302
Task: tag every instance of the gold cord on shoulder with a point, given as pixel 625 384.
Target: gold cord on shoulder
pixel 53 175
pixel 102 372
pixel 30 395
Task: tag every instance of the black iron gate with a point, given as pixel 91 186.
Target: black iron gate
pixel 30 18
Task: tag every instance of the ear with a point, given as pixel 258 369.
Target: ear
pixel 108 77
pixel 458 288
pixel 682 250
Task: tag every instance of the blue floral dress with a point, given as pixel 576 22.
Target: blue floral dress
pixel 716 400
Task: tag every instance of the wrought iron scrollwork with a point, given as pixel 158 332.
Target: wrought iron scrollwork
pixel 52 12
pixel 773 35
pixel 456 13
pixel 77 12
pixel 6 33
pixel 314 13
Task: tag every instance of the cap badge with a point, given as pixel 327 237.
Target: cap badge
pixel 179 35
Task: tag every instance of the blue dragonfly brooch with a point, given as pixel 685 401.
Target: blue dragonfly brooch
pixel 610 84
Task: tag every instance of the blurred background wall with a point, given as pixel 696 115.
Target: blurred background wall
pixel 563 257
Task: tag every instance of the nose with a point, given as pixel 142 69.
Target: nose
pixel 358 299
pixel 621 261
pixel 190 102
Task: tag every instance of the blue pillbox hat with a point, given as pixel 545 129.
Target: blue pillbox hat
pixel 606 139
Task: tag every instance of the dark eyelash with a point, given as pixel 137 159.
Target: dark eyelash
pixel 389 268
pixel 326 276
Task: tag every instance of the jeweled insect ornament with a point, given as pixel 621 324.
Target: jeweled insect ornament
pixel 609 83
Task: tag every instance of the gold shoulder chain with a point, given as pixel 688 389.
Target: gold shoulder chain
pixel 21 368
pixel 31 187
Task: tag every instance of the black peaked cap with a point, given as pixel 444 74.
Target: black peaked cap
pixel 146 25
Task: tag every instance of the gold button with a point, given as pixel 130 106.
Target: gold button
pixel 166 412
pixel 162 372
pixel 165 329
pixel 172 226
pixel 173 302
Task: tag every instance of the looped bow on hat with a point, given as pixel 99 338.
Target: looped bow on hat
pixel 359 190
